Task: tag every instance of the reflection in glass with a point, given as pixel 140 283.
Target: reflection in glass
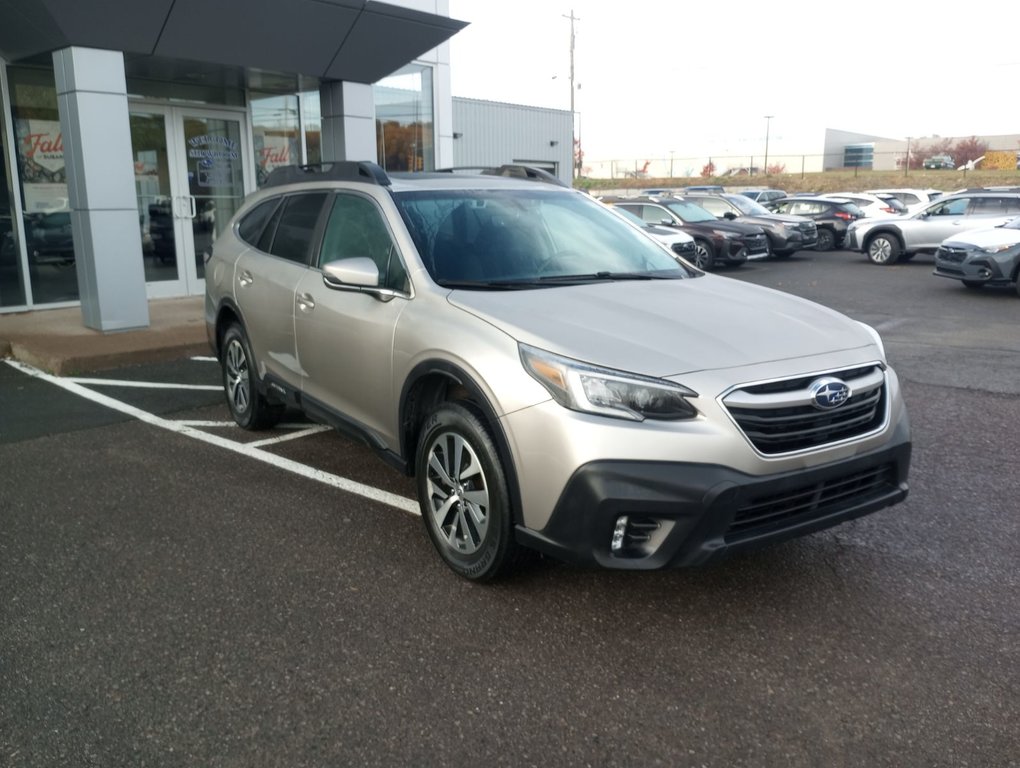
pixel 311 121
pixel 12 284
pixel 40 155
pixel 404 120
pixel 215 179
pixel 152 186
pixel 276 132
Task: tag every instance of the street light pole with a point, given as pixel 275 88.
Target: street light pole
pixel 768 124
pixel 906 162
pixel 573 136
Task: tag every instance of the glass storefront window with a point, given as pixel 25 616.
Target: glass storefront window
pixel 311 121
pixel 404 120
pixel 12 283
pixel 40 155
pixel 276 131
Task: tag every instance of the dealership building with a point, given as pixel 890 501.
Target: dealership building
pixel 130 132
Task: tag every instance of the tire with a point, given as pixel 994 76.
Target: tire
pixel 826 240
pixel 463 495
pixel 974 285
pixel 246 402
pixel 704 255
pixel 883 250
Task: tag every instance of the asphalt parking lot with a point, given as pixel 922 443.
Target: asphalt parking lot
pixel 174 591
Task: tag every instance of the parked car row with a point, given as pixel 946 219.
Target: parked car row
pixel 974 234
pixel 717 242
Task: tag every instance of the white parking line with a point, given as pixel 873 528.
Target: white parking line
pixel 142 384
pixel 292 436
pixel 341 483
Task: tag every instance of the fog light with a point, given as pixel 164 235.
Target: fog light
pixel 619 533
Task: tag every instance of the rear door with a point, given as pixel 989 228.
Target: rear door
pixel 266 278
pixel 950 217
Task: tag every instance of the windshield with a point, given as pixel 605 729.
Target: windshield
pixel 689 212
pixel 747 206
pixel 494 238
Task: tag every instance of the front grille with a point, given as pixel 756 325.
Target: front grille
pixel 808 227
pixel 756 244
pixel 765 514
pixel 951 255
pixel 779 416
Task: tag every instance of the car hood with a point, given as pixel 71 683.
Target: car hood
pixel 773 219
pixel 984 238
pixel 669 234
pixel 740 226
pixel 666 327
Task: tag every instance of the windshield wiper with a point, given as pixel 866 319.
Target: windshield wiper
pixel 609 276
pixel 490 285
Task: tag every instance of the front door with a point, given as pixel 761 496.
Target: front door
pixel 191 174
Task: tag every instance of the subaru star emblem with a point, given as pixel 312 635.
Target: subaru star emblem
pixel 829 392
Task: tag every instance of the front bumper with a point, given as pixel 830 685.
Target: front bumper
pixel 977 267
pixel 684 514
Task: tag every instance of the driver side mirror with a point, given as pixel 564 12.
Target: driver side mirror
pixel 729 215
pixel 355 272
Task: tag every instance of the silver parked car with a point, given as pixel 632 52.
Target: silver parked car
pixel 553 378
pixel 886 241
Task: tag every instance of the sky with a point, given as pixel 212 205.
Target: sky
pixel 657 78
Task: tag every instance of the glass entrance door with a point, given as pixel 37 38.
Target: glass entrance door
pixel 190 176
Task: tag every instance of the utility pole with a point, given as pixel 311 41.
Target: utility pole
pixel 575 147
pixel 768 124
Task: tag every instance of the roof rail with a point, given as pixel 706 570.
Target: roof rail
pixel 338 170
pixel 513 170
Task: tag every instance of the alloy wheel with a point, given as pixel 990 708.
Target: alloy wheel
pixel 458 494
pixel 238 377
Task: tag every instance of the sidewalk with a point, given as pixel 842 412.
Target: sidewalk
pixel 56 340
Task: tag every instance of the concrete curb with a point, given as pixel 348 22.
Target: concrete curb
pixel 69 364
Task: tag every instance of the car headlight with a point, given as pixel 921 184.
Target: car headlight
pixel 725 234
pixel 994 249
pixel 590 389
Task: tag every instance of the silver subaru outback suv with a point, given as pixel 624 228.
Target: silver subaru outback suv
pixel 554 378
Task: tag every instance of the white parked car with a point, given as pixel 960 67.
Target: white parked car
pixel 872 205
pixel 914 199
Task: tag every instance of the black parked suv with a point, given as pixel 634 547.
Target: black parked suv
pixel 717 243
pixel 786 234
pixel 832 216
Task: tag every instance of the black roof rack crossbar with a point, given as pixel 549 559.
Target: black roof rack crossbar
pixel 513 170
pixel 338 170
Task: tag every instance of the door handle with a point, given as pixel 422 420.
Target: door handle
pixel 305 302
pixel 191 201
pixel 245 279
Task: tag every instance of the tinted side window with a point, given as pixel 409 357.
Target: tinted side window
pixel 957 207
pixel 994 205
pixel 714 205
pixel 252 225
pixel 356 229
pixel 293 239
